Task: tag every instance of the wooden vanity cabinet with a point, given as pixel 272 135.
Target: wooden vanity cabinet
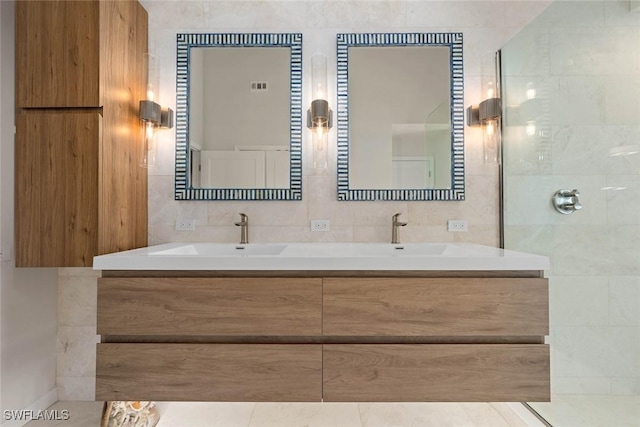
pixel 198 306
pixel 80 191
pixel 435 307
pixel 209 372
pixel 321 335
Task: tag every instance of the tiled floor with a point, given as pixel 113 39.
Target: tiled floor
pixel 591 411
pixel 87 414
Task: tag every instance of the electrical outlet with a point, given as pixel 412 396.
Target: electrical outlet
pixel 457 225
pixel 183 224
pixel 5 253
pixel 320 225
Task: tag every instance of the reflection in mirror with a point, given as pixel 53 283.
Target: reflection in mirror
pixel 238 115
pixel 400 117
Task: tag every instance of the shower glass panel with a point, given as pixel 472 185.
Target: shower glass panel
pixel 571 100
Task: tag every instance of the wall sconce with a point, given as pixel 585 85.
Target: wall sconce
pixel 319 116
pixel 488 114
pixel 152 115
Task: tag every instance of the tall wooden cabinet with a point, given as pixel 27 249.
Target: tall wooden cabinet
pixel 80 190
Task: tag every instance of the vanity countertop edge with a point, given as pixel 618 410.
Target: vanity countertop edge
pixel 199 256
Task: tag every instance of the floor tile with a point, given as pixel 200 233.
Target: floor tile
pixel 306 415
pixel 204 414
pixel 591 411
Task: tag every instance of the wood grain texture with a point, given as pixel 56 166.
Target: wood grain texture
pixel 57 54
pixel 123 183
pixel 436 373
pixel 82 55
pixel 435 306
pixel 56 188
pixel 213 306
pixel 209 372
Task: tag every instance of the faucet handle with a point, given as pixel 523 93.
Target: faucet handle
pixel 569 193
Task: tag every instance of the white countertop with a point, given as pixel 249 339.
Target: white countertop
pixel 320 256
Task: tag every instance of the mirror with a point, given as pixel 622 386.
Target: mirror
pixel 400 116
pixel 239 117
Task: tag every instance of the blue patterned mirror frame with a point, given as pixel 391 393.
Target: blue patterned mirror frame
pixel 451 40
pixel 185 41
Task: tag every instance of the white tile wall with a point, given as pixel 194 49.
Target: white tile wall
pixel 77 338
pixel 487 26
pixel 589 109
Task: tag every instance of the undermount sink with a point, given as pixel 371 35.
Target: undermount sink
pixel 221 250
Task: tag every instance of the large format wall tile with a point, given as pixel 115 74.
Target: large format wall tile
pixel 624 301
pixel 77 300
pixel 595 150
pixel 77 351
pixel 593 51
pixel 622 94
pixel 579 300
pixel 570 14
pixel 577 100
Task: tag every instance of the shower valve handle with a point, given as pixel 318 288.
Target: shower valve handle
pixel 566 201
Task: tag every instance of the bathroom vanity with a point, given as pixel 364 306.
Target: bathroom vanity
pixel 322 322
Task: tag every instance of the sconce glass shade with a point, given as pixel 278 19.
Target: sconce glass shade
pixel 319 76
pixel 319 115
pixel 149 146
pixel 491 141
pixel 489 72
pixel 490 109
pixel 150 63
pixel 320 148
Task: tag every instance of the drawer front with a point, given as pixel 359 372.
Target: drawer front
pixel 436 373
pixel 435 307
pixel 210 306
pixel 209 372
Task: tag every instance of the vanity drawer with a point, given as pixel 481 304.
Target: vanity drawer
pixel 209 372
pixel 252 306
pixel 470 307
pixel 436 373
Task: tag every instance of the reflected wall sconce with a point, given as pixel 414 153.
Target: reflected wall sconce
pixel 488 114
pixel 319 116
pixel 152 115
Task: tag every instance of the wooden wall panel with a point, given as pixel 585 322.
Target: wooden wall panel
pixel 209 372
pixel 435 307
pixel 123 182
pixel 57 54
pixel 210 306
pixel 57 188
pixel 436 373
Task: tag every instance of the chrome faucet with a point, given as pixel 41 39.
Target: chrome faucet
pixel 394 228
pixel 244 228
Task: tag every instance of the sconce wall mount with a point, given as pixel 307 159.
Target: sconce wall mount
pixel 319 115
pixel 152 112
pixel 489 109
